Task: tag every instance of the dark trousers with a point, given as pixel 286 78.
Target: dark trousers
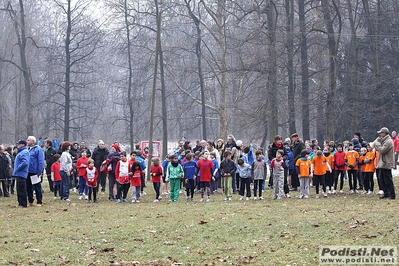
pixel 380 185
pixel 142 182
pixel 319 180
pixel 368 181
pixel 340 173
pixel 57 188
pixel 352 179
pixel 4 184
pixel 395 165
pixel 111 185
pixel 102 180
pixel 64 190
pixel 294 179
pixel 329 179
pixel 237 179
pixel 360 178
pixel 270 184
pixel 157 187
pixel 11 184
pixel 190 185
pixel 286 188
pixel 258 187
pixel 21 192
pixel 122 191
pixel 38 189
pixel 387 183
pixel 245 184
pixel 93 191
pixel 48 174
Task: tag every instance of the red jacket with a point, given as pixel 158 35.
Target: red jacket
pixel 120 178
pixel 396 144
pixel 339 161
pixel 55 168
pixel 156 173
pixel 82 169
pixel 91 178
pixel 135 180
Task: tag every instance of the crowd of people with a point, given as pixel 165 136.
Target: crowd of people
pixel 203 168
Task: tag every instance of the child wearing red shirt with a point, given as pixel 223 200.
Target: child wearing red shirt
pixel 135 181
pixel 55 174
pixel 205 170
pixel 122 178
pixel 81 166
pixel 156 173
pixel 91 177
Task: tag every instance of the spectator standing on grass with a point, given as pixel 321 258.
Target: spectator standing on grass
pixel 56 175
pixel 113 158
pixel 99 155
pixel 189 168
pixel 49 157
pixel 156 172
pixel 244 170
pixel 303 166
pixel 227 171
pixel 165 182
pixel 369 169
pixel 135 181
pixel 81 166
pixel 339 168
pixel 174 174
pixel 91 177
pixel 298 146
pixel 351 162
pixel 21 169
pixel 329 174
pixel 386 156
pixel 259 173
pixel 319 168
pixel 36 167
pixel 395 140
pixel 66 170
pixel 277 166
pixel 216 163
pixel 122 178
pixel 204 172
pixel 11 158
pixel 4 171
pixel 56 143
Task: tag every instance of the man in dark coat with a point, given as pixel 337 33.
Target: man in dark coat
pixel 298 146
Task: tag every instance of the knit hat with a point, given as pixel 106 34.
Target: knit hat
pixel 116 147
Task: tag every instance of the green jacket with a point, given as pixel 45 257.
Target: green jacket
pixel 174 172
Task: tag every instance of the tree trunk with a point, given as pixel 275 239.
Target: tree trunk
pixel 304 71
pixel 67 72
pixel 355 83
pixel 21 36
pixel 289 10
pixel 333 49
pixel 154 85
pixel 272 108
pixel 130 78
pixel 224 86
pixel 198 53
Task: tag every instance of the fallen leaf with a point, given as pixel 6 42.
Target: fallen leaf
pixel 203 222
pixel 315 225
pixel 107 249
pixel 34 250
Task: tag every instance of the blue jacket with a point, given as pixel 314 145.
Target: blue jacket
pixel 36 160
pixel 244 171
pixel 21 163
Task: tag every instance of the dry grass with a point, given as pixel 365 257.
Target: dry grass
pixel 285 232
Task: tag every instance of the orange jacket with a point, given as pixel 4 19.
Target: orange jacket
pixel 370 167
pixel 352 159
pixel 319 165
pixel 304 167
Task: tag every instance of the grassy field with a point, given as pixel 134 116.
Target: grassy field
pixel 268 232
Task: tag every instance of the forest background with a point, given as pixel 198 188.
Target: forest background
pixel 84 70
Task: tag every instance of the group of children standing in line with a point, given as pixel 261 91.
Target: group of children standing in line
pixel 201 171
